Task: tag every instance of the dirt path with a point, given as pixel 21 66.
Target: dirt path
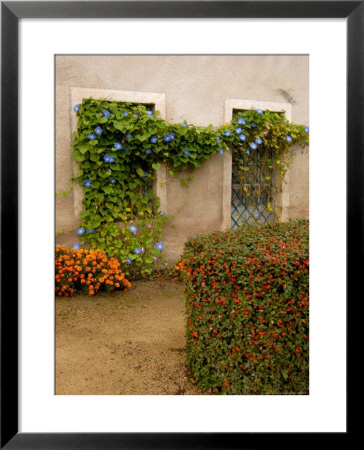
pixel 119 344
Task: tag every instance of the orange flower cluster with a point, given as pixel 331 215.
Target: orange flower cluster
pixel 180 266
pixel 87 270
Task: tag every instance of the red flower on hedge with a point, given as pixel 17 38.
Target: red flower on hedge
pixel 270 256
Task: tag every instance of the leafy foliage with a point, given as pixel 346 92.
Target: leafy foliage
pixel 247 309
pixel 120 146
pixel 137 250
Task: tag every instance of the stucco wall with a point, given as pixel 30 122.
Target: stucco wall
pixel 195 89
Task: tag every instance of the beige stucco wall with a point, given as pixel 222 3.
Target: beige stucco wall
pixel 195 88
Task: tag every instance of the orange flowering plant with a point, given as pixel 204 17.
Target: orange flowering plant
pixel 88 271
pixel 247 297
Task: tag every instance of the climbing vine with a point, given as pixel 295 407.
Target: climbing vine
pixel 120 146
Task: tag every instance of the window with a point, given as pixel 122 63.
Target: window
pixel 245 201
pixel 155 100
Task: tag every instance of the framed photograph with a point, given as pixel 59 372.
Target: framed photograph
pixel 105 128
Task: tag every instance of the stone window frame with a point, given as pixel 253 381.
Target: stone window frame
pixel 282 195
pixel 78 94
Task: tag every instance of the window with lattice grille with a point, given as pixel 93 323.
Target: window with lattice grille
pixel 251 186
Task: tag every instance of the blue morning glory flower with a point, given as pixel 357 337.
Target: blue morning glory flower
pixel 163 213
pixel 307 129
pixel 106 112
pixel 238 130
pixel 227 133
pixel 167 138
pixel 242 137
pixel 113 181
pixel 91 231
pixel 133 229
pixel 171 135
pixel 148 151
pixel 149 112
pixel 81 231
pixel 258 140
pixel 218 139
pixel 76 108
pixel 241 121
pixel 136 115
pixel 186 152
pixel 58 245
pixel 145 174
pixel 87 183
pixel 128 260
pixel 98 130
pixel 129 136
pixel 253 145
pixel 260 111
pixel 153 139
pixel 76 246
pixel 125 113
pixel 127 149
pixel 159 246
pixel 184 124
pixel 289 138
pixel 248 152
pixel 253 124
pixel 221 151
pixel 108 159
pixel 137 251
pixel 91 136
pixel 256 214
pixel 118 146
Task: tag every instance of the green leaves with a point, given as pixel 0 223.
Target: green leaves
pixel 120 126
pixel 94 222
pixel 94 157
pixel 140 172
pixel 119 242
pixel 78 156
pixel 82 148
pixel 156 166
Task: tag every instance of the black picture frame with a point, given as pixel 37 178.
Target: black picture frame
pixel 11 12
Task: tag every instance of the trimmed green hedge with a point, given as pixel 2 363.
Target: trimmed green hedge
pixel 247 294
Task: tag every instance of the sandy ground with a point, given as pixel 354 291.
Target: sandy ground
pixel 116 344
